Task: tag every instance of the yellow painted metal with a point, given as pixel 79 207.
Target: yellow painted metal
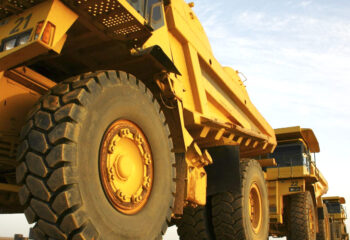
pixel 312 221
pixel 341 200
pixel 9 187
pixel 212 103
pixel 20 88
pixel 337 220
pixel 255 207
pixel 126 167
pixel 287 180
pixel 268 162
pixel 196 184
pixel 292 133
pixel 277 189
pixel 210 94
pixel 214 96
pixel 54 12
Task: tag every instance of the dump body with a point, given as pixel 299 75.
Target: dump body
pixel 94 37
pixel 295 172
pixel 161 43
pixel 337 217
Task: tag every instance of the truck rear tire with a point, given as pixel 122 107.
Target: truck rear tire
pixel 243 216
pixel 195 223
pixel 96 161
pixel 324 232
pixel 301 217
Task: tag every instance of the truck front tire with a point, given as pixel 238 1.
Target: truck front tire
pixel 301 217
pixel 96 161
pixel 243 215
pixel 324 232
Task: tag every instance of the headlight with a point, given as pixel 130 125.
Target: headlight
pixel 23 39
pixel 9 44
pixel 15 41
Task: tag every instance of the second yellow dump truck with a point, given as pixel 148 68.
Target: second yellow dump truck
pixel 337 217
pixel 296 186
pixel 109 112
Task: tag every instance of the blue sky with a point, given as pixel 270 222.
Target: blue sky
pixel 296 57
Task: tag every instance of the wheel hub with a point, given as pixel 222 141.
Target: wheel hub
pixel 126 167
pixel 255 207
pixel 312 221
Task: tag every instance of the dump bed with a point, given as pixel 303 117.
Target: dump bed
pixel 89 35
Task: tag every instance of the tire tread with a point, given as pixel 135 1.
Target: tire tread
pixel 49 195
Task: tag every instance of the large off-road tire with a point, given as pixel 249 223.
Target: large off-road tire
pixel 195 223
pixel 324 231
pixel 243 216
pixel 71 136
pixel 345 235
pixel 301 217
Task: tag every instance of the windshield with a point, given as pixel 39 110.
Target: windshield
pixel 288 155
pixel 333 207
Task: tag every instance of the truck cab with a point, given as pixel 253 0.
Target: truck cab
pixel 337 217
pixel 294 173
pixel 294 153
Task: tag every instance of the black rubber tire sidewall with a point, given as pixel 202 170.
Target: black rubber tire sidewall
pixel 230 210
pixel 123 102
pixel 196 223
pixel 323 224
pixel 299 228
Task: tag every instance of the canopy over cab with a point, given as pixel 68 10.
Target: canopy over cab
pixel 338 199
pixel 294 159
pixel 306 135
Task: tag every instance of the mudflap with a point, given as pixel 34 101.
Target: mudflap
pixel 224 174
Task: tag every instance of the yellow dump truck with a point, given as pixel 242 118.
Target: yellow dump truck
pixel 296 186
pixel 337 217
pixel 109 112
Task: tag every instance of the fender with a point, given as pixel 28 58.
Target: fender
pixel 156 55
pixel 224 174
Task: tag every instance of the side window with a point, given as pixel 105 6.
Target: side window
pixel 151 10
pixel 155 13
pixel 139 5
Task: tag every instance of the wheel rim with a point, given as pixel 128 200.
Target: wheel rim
pixel 126 167
pixel 312 221
pixel 255 207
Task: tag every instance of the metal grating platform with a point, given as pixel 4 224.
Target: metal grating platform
pixel 110 16
pixel 10 7
pixel 119 23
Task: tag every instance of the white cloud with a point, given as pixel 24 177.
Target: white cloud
pixel 305 3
